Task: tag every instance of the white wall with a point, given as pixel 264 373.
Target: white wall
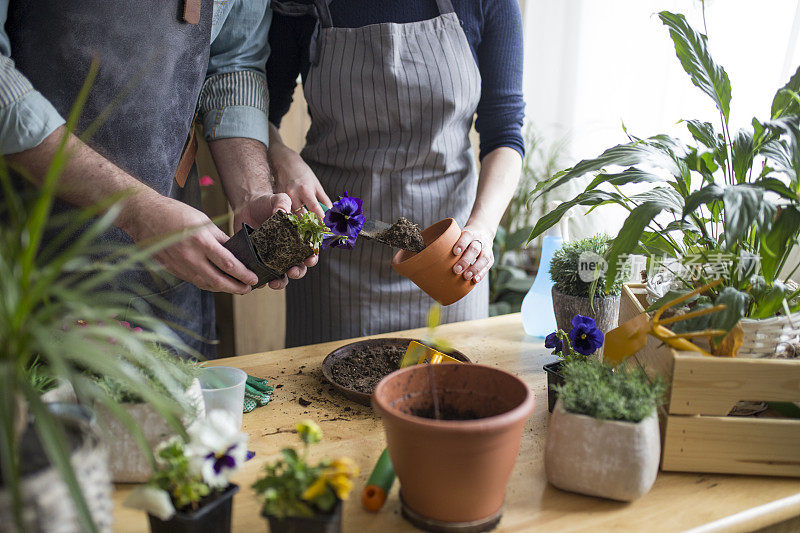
pixel 591 64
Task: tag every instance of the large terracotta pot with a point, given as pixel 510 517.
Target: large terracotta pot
pixel 605 458
pixel 453 471
pixel 432 268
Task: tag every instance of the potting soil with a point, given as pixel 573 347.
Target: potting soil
pixel 364 368
pixel 403 234
pixel 278 243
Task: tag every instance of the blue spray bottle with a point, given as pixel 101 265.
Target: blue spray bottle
pixel 538 318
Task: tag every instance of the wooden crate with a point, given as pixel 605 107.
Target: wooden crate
pixel 697 434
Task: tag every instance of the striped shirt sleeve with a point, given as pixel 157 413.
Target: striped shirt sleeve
pixel 26 117
pixel 235 98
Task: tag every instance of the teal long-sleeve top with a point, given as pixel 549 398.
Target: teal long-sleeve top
pixel 233 101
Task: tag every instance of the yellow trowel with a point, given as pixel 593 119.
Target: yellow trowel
pixel 630 337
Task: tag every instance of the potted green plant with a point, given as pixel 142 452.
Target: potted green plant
pixel 190 491
pixel 729 201
pixel 298 497
pixel 579 288
pixel 453 433
pixel 48 461
pixel 128 462
pixel 603 438
pixel 287 239
pixel 583 341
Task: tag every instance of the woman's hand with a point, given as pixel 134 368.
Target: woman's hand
pixel 475 248
pixel 294 177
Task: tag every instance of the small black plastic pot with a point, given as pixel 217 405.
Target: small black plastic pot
pixel 213 517
pixel 242 247
pixel 554 377
pixel 319 523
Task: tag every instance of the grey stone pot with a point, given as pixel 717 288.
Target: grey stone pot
pixel 605 311
pixel 605 458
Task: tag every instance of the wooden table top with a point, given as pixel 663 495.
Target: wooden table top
pixel 677 502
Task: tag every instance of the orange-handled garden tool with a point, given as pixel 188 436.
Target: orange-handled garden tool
pixel 630 337
pixel 382 477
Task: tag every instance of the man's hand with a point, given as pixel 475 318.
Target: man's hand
pixel 255 212
pixel 199 257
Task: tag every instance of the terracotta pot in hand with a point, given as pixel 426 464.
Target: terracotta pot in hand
pixel 453 471
pixel 432 269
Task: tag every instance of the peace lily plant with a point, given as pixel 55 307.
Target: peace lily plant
pixel 730 195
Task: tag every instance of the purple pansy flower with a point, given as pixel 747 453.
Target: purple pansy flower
pixel 345 219
pixel 553 341
pixel 585 337
pixel 338 241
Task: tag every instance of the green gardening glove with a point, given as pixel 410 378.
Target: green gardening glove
pixel 256 393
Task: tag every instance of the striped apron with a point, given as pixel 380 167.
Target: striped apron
pixel 391 108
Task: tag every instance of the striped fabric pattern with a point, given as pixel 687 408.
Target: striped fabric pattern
pixel 239 88
pixel 392 105
pixel 13 85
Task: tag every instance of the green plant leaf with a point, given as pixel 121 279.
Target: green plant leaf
pixel 692 51
pixel 745 205
pixel 638 152
pixel 783 103
pixel 709 193
pixel 629 175
pixel 770 302
pixel 742 149
pixel 628 237
pixel 777 241
pixel 517 240
pixel 590 198
pixel 704 133
pixel 735 302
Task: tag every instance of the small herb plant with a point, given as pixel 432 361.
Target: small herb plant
pixel 184 370
pixel 293 487
pixel 598 390
pixel 565 268
pixel 189 471
pixel 584 339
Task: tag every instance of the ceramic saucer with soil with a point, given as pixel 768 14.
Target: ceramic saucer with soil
pixel 354 369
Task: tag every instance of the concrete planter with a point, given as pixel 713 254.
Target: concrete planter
pixel 609 459
pixel 605 311
pixel 127 462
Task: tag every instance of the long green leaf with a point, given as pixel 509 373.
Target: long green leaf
pixel 783 103
pixel 742 149
pixel 54 442
pixel 692 51
pixel 588 198
pixel 745 205
pixel 735 302
pixel 635 153
pixel 777 241
pixel 628 237
pixel 709 193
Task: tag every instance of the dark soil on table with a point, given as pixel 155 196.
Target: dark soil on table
pixel 363 369
pixel 279 245
pixel 403 234
pixel 446 412
pixel 32 456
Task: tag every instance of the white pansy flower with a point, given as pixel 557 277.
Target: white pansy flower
pixel 217 448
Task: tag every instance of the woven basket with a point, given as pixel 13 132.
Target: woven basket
pixel 771 337
pixel 48 506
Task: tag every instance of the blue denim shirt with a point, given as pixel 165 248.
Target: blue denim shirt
pixel 233 102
